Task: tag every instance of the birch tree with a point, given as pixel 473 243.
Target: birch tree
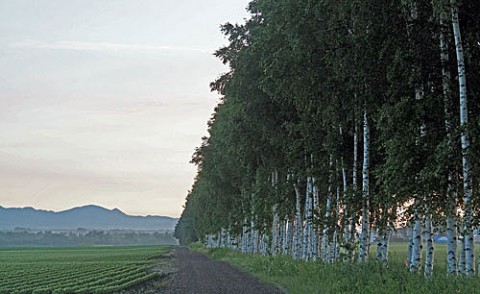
pixel 465 144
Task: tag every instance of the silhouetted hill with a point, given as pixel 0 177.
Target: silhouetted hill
pixel 89 217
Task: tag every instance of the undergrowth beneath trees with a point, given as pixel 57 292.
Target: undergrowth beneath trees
pixel 297 276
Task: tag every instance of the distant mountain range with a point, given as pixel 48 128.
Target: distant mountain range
pixel 89 217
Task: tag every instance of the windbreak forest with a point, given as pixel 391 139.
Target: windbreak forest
pixel 342 120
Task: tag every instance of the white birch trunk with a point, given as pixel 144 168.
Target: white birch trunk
pixel 211 241
pixel 451 196
pixel 408 262
pixel 461 259
pixel 314 242
pixel 416 238
pixel 452 245
pixel 346 206
pixel 467 187
pixel 297 244
pixel 346 217
pixel 379 238
pixel 253 246
pixel 364 238
pixel 245 238
pixel 386 242
pixel 283 236
pixel 290 237
pixel 429 252
pixel 385 239
pixel 275 225
pixel 351 247
pixel 417 224
pixel 263 241
pixel 325 228
pixel 228 239
pixel 275 231
pixel 223 238
pixel 334 241
pixel 308 220
pixel 325 251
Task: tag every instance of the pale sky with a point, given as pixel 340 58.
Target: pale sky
pixel 104 101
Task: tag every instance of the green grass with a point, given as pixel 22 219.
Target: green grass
pixel 75 270
pixel 372 277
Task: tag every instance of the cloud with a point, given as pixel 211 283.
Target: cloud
pixel 104 47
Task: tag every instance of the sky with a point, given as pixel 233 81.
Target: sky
pixel 104 101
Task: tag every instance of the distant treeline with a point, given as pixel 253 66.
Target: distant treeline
pixel 84 237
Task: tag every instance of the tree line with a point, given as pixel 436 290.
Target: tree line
pixel 341 120
pixel 83 237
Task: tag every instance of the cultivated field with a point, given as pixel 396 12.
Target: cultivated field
pixel 76 270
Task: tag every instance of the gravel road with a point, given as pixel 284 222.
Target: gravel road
pixel 198 274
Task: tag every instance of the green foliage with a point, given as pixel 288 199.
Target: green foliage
pixel 302 73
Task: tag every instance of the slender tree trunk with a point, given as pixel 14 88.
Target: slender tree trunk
pixel 209 239
pixel 336 224
pixel 275 230
pixel 346 217
pixel 351 245
pixel 264 240
pixel 385 244
pixel 429 252
pixel 228 239
pixel 383 238
pixel 416 238
pixel 380 234
pixel 306 254
pixel 386 240
pixel 334 243
pixel 245 235
pixel 364 238
pixel 451 206
pixel 297 244
pixel 343 235
pixel 314 242
pixel 467 186
pixel 417 226
pixel 461 259
pixel 290 236
pixel 253 238
pixel 452 244
pixel 346 206
pixel 276 220
pixel 410 248
pixel 326 225
pixel 283 236
pixel 223 238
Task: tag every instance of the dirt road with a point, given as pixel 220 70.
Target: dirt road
pixel 198 274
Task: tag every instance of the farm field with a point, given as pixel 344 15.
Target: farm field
pixel 297 276
pixel 76 270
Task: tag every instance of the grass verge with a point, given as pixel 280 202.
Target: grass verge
pixel 316 277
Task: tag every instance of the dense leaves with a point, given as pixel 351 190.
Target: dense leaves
pixel 287 138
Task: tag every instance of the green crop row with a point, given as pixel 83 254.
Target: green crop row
pixel 126 282
pixel 106 278
pixel 56 276
pixel 77 270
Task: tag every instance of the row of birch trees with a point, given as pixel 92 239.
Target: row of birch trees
pixel 342 120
